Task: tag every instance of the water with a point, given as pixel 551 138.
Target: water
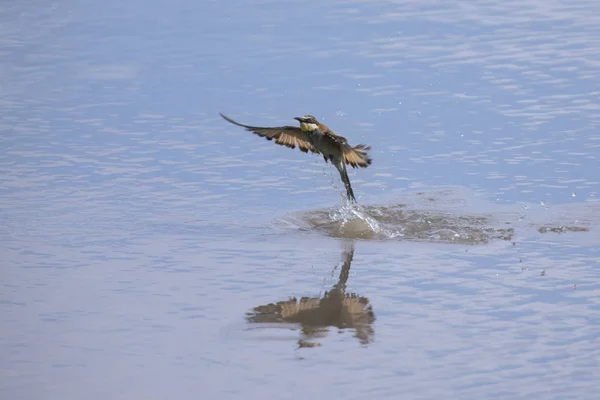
pixel 150 249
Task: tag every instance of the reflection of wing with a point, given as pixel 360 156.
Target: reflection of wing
pixel 289 136
pixel 291 309
pixel 335 308
pixel 357 156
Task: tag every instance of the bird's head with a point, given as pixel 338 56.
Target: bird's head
pixel 308 123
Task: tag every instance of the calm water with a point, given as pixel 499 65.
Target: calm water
pixel 151 250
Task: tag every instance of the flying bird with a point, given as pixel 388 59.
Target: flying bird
pixel 317 138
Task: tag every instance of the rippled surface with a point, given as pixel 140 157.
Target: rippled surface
pixel 151 250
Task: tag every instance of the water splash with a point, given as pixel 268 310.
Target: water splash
pixel 429 216
pixel 442 216
pixel 354 218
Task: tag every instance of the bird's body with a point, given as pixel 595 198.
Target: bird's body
pixel 317 138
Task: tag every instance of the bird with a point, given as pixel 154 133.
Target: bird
pixel 315 137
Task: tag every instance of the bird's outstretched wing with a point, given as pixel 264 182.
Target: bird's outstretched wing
pixel 357 156
pixel 289 136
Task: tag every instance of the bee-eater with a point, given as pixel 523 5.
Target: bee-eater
pixel 317 138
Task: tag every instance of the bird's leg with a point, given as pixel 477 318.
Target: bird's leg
pixel 341 167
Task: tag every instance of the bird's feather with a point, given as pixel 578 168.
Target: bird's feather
pixel 357 156
pixel 288 136
pixel 354 156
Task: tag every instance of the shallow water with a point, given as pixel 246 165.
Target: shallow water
pixel 150 249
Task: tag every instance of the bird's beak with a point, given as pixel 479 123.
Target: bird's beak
pixel 299 119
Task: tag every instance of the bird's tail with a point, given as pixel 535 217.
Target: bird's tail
pixel 344 175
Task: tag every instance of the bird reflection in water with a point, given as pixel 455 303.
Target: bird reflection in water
pixel 336 308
